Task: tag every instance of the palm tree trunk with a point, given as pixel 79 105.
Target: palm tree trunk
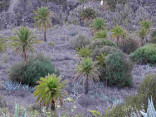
pixel 45 37
pixel 53 105
pixel 86 85
pixel 117 41
pixel 24 53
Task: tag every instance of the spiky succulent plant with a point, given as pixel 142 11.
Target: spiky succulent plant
pixel 17 112
pixel 150 110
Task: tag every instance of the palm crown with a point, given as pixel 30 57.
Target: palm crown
pixel 23 41
pixel 50 90
pixel 87 68
pixel 118 32
pixel 43 19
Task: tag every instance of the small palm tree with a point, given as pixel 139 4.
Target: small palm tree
pixel 98 24
pixel 87 68
pixel 142 34
pixel 118 33
pixel 144 31
pixel 43 19
pixel 23 41
pixel 84 52
pixel 146 24
pixel 50 90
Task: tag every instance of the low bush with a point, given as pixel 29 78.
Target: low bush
pixel 86 101
pixel 112 3
pixel 129 45
pixel 147 89
pixel 101 43
pixel 145 54
pixel 79 41
pixel 133 104
pixel 118 70
pixel 87 13
pixel 29 73
pixel 97 51
pixel 153 37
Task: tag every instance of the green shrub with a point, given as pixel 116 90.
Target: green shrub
pixel 87 13
pixel 79 41
pixel 129 45
pixel 101 43
pixel 29 73
pixel 106 49
pixel 131 105
pixel 112 3
pixel 138 102
pixel 100 35
pixel 145 54
pixel 153 37
pixel 98 24
pixel 147 89
pixel 118 70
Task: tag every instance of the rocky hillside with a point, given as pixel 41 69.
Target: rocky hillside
pixel 16 12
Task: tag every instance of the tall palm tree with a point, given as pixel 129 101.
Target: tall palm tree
pixel 23 42
pixel 87 68
pixel 43 20
pixel 50 90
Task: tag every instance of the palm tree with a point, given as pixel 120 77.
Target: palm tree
pixel 23 42
pixel 50 90
pixel 87 68
pixel 43 19
pixel 118 33
pixel 144 31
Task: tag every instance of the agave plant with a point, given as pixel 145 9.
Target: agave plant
pixel 17 112
pixel 150 110
pixel 50 90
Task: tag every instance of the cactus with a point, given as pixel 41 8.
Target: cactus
pixel 150 110
pixel 17 112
